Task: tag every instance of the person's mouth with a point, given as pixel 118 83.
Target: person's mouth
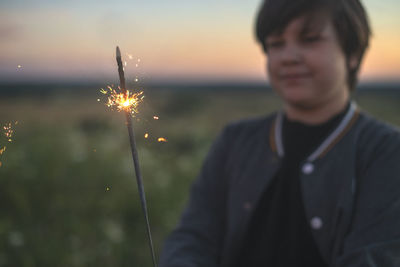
pixel 295 76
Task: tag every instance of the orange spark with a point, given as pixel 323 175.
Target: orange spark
pixel 162 139
pixel 156 117
pixel 146 135
pixel 8 131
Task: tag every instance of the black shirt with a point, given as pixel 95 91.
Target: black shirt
pixel 279 233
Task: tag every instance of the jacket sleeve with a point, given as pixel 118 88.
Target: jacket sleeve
pixel 197 239
pixel 374 239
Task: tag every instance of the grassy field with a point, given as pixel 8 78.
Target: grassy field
pixel 67 191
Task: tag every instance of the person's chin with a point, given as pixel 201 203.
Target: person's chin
pixel 294 93
pixel 297 98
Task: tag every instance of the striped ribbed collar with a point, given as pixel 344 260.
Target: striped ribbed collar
pixel 345 124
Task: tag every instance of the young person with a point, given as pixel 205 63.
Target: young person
pixel 316 184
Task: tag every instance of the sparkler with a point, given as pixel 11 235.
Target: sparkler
pixel 129 102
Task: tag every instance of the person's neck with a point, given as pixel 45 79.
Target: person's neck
pixel 318 114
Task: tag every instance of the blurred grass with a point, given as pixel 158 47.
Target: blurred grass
pixel 68 194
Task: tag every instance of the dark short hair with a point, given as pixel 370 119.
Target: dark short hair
pixel 349 18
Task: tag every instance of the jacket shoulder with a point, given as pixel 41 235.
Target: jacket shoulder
pixel 376 139
pixel 251 127
pixel 376 132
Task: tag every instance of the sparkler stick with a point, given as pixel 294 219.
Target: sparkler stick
pixel 139 179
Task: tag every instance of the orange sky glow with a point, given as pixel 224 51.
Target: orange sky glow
pixel 176 40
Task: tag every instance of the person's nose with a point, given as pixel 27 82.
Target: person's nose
pixel 291 54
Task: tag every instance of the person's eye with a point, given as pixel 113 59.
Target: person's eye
pixel 274 44
pixel 311 38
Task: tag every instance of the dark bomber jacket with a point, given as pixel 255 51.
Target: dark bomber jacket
pixel 350 186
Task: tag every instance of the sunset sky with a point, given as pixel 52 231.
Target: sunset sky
pixel 175 40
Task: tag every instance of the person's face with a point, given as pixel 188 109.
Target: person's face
pixel 306 64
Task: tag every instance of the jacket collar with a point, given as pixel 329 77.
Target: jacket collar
pixel 344 126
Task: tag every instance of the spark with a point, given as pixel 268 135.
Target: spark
pixel 146 135
pixel 156 117
pixel 125 63
pixel 107 188
pixel 119 101
pixel 162 139
pixel 130 56
pixel 136 79
pixel 19 67
pixel 8 133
